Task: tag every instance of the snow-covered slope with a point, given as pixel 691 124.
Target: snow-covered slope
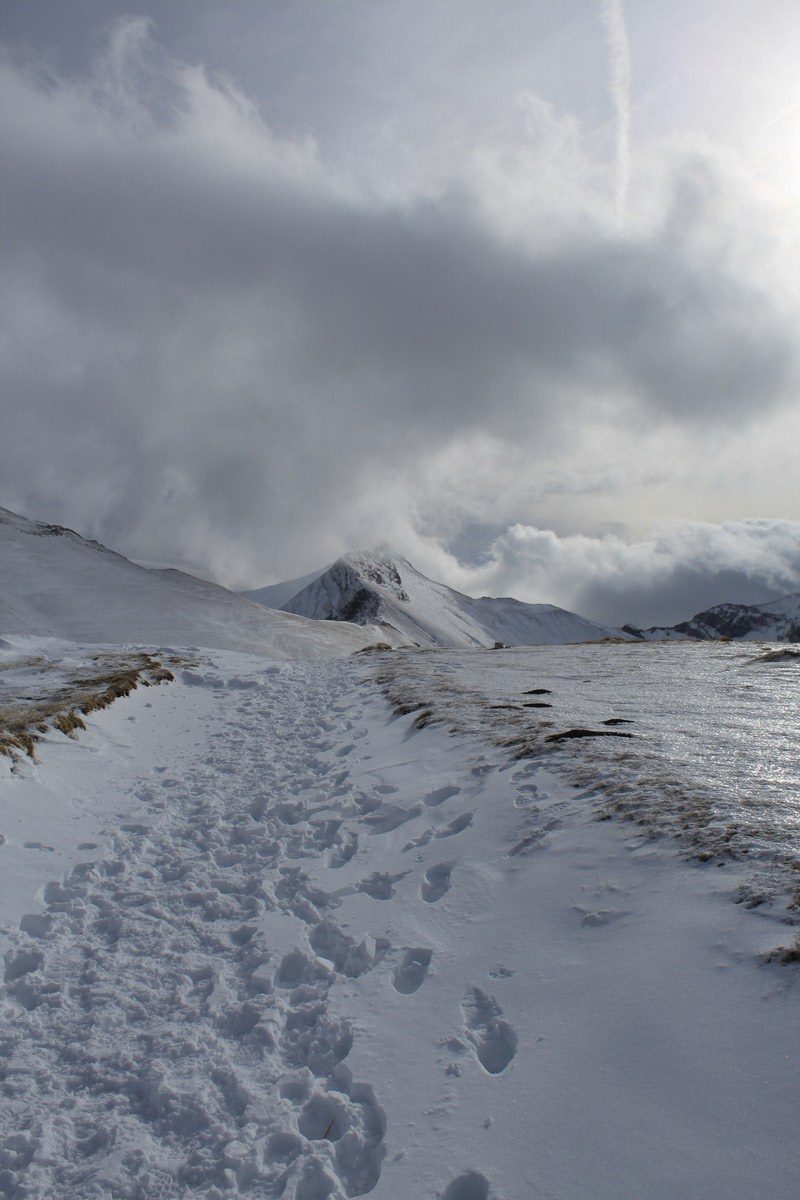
pixel 275 595
pixel 379 586
pixel 777 621
pixel 55 583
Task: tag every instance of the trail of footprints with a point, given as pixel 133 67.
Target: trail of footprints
pixel 157 1046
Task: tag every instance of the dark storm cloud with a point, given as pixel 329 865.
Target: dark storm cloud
pixel 425 294
pixel 215 342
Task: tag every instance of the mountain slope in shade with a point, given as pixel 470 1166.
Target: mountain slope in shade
pixel 776 621
pixel 55 583
pixel 382 588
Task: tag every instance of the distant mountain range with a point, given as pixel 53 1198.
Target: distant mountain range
pixel 382 587
pixel 776 621
pixel 53 582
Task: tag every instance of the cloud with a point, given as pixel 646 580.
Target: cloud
pixel 222 351
pixel 683 568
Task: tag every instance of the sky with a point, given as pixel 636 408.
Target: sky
pixel 511 287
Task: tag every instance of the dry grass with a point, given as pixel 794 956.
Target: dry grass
pixel 373 647
pixel 785 955
pixel 22 724
pixel 425 718
pixel 786 655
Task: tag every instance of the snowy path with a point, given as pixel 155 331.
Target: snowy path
pixel 157 1010
pixel 331 955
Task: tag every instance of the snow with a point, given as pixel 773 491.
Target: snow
pixel 74 797
pixel 382 587
pixel 322 950
pixel 275 595
pixel 56 583
pixel 693 738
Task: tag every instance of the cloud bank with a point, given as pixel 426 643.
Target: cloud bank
pixel 221 351
pixel 683 568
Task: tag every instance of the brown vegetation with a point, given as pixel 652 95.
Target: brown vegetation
pixel 22 724
pixel 785 955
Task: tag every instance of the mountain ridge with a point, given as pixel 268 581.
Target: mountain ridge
pixel 775 621
pixel 380 587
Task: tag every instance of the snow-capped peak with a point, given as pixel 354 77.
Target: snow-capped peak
pixel 382 587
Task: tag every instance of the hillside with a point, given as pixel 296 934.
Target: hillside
pixel 55 583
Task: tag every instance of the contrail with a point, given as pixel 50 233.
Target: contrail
pixel 620 56
pixel 785 112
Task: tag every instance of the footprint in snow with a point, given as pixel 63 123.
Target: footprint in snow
pixel 323 1117
pixel 380 885
pixel 416 842
pixel 410 972
pixel 532 840
pixel 36 924
pixel 341 853
pixel 456 826
pixel 493 1039
pixel 390 817
pixel 440 795
pixel 436 882
pixel 347 957
pixel 470 1186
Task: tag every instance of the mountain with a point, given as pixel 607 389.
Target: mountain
pixel 55 583
pixel 776 621
pixel 382 588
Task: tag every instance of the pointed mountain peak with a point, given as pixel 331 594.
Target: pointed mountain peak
pixel 379 586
